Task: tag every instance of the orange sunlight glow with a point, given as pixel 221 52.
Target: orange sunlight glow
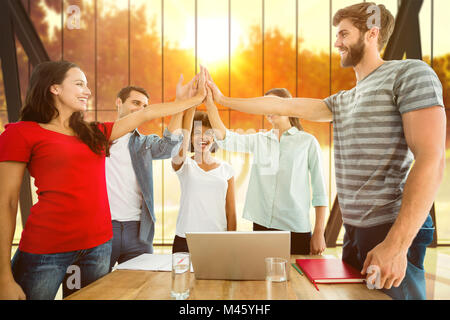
pixel 212 39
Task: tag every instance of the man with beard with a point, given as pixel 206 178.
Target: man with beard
pixel 392 117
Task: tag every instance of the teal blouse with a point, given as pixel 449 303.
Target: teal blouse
pixel 283 174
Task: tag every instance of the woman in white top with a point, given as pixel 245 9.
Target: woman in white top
pixel 207 201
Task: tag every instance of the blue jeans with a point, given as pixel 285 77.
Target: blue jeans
pixel 126 244
pixel 40 275
pixel 359 241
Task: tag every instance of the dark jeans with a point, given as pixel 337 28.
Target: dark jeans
pixel 126 244
pixel 40 275
pixel 359 241
pixel 300 242
pixel 179 245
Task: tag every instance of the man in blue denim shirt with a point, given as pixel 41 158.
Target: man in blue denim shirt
pixel 129 179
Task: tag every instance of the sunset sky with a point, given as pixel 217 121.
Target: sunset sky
pixel 213 18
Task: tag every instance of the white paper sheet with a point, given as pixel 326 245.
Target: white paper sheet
pixel 149 262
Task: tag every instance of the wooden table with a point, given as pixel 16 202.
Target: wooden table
pixel 154 285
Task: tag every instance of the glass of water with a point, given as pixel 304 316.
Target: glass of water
pixel 276 280
pixel 276 269
pixel 181 269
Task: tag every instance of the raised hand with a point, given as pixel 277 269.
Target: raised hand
pixel 217 95
pixel 188 90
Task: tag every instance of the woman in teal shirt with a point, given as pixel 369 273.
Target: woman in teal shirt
pixel 286 160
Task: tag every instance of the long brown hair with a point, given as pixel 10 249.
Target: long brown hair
pixel 40 107
pixel 284 93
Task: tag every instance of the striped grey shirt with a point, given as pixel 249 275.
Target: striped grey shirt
pixel 372 158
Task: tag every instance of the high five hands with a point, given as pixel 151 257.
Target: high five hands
pixel 197 86
pixel 215 92
pixel 201 84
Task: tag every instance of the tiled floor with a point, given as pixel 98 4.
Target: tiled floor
pixel 437 267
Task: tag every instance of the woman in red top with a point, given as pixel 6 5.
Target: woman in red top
pixel 70 225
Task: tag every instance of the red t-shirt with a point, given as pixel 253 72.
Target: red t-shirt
pixel 72 212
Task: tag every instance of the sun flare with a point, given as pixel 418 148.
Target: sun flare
pixel 213 43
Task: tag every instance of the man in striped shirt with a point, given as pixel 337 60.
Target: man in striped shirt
pixel 393 116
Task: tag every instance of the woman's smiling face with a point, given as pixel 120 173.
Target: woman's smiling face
pixel 73 92
pixel 202 138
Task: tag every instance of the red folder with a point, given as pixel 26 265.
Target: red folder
pixel 329 271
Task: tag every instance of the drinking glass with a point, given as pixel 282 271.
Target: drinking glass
pixel 276 280
pixel 181 263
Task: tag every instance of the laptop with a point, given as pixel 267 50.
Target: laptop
pixel 236 255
